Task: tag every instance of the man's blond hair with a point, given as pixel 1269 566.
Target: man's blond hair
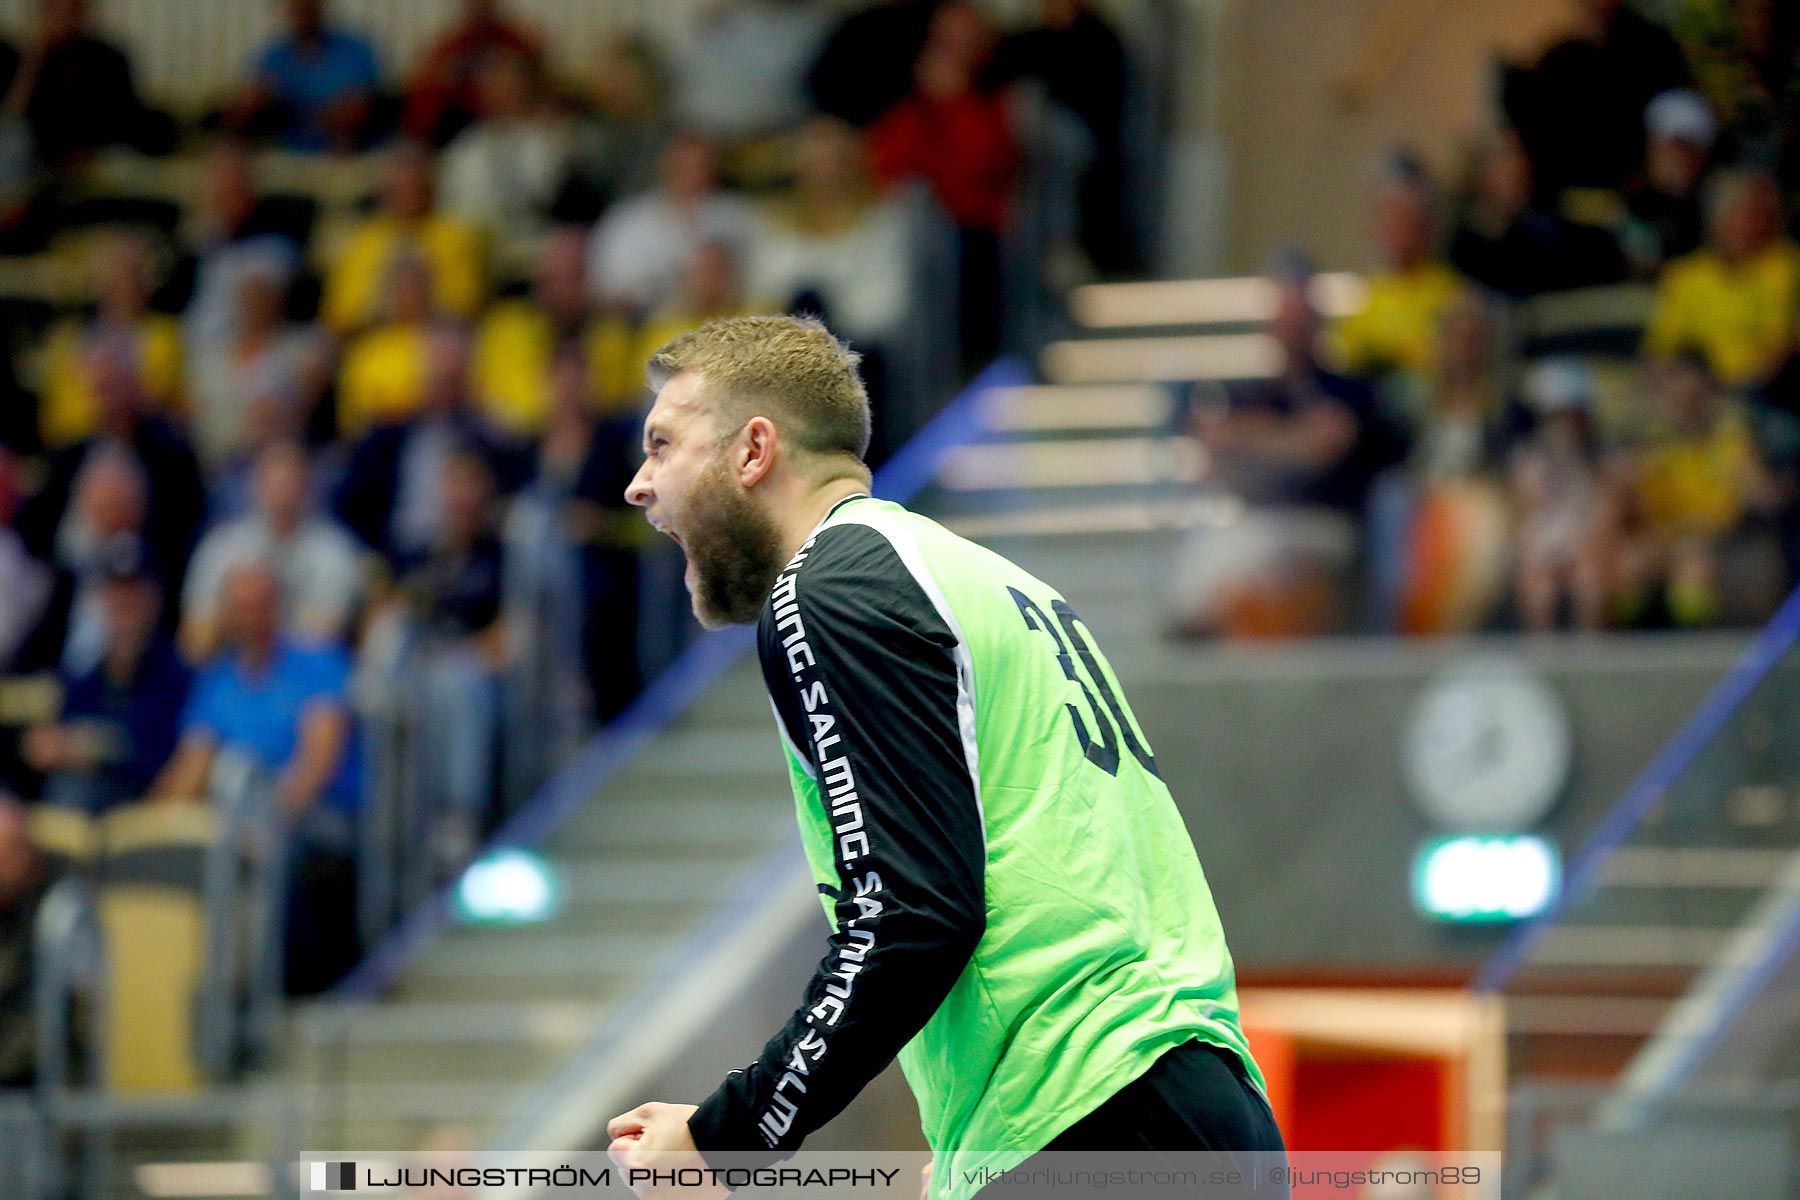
pixel 789 369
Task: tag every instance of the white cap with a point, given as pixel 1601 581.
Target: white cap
pixel 1682 114
pixel 1559 385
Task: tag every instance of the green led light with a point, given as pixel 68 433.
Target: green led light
pixel 1495 877
pixel 508 886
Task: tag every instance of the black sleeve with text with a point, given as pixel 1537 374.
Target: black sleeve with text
pixel 861 668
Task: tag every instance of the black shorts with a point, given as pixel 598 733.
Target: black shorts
pixel 1196 1097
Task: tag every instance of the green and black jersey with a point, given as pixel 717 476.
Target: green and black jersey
pixel 1018 910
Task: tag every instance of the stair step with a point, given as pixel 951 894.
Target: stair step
pixel 497 1064
pixel 1134 407
pixel 429 1023
pixel 1630 945
pixel 750 818
pixel 1622 1016
pixel 1077 520
pixel 476 1102
pixel 1695 866
pixel 630 880
pixel 1247 299
pixel 706 752
pixel 1072 463
pixel 540 951
pixel 1699 905
pixel 1212 356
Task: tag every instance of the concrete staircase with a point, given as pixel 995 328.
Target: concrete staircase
pixel 487 1013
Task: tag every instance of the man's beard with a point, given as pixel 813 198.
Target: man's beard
pixel 735 548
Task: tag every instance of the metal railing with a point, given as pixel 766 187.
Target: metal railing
pixel 1683 904
pixel 65 1123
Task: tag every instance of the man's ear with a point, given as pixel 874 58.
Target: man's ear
pixel 758 446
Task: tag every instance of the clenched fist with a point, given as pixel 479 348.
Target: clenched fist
pixel 654 1137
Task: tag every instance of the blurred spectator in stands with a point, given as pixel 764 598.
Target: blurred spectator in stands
pixel 383 373
pixel 1307 436
pixel 585 460
pixel 1302 449
pixel 1081 63
pixel 866 65
pixel 233 229
pixel 1694 484
pixel 120 716
pixel 1511 242
pixel 1735 301
pixel 951 129
pixel 107 521
pixel 639 248
pixel 446 93
pixel 450 585
pixel 1466 420
pixel 75 92
pixel 285 706
pixel 571 422
pixel 615 144
pixel 1664 217
pixel 1438 530
pixel 518 339
pixel 27 213
pixel 1747 61
pixel 406 223
pixel 314 87
pixel 953 132
pixel 22 879
pixel 391 495
pixel 123 280
pixel 1568 520
pixel 835 246
pixel 319 565
pixel 269 418
pixel 263 359
pixel 18 409
pixel 743 73
pixel 25 583
pixel 709 288
pixel 130 439
pixel 504 170
pixel 1395 332
pixel 833 243
pixel 1580 108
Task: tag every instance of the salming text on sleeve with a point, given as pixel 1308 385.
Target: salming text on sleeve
pixel 862 669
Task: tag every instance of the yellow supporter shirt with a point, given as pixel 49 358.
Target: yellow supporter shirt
pixel 382 377
pixel 1397 330
pixel 68 412
pixel 1741 317
pixel 1695 483
pixel 455 250
pixel 667 324
pixel 511 366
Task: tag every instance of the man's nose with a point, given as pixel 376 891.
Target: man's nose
pixel 638 492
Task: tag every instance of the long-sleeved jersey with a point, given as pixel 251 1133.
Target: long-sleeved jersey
pixel 1018 911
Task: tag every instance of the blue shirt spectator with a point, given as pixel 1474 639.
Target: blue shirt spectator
pixel 260 713
pixel 315 83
